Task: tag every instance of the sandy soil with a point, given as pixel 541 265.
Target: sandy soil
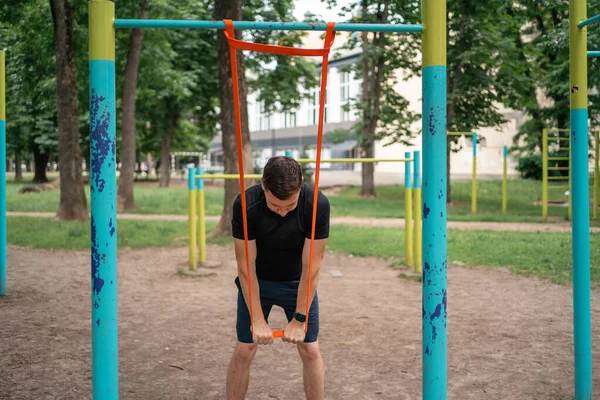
pixel 509 337
pixel 555 227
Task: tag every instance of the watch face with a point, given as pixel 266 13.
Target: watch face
pixel 300 317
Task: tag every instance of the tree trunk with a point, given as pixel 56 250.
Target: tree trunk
pixel 164 176
pixel 18 168
pixel 8 165
pixel 73 204
pixel 125 199
pixel 231 9
pixel 41 162
pixel 368 149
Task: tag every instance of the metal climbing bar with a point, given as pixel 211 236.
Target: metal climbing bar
pixel 265 26
pixel 353 160
pixel 589 21
pixel 593 53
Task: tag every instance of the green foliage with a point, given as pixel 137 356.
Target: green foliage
pixel 280 81
pixel 30 77
pixel 382 55
pixel 530 166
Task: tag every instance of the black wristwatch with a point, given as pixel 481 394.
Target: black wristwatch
pixel 299 317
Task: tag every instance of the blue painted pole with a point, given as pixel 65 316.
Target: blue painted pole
pixel 593 53
pixel 2 176
pixel 435 358
pixel 267 26
pixel 580 199
pixel 105 383
pixel 589 21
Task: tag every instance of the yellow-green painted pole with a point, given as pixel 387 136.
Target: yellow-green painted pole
pixel 2 176
pixel 192 218
pixel 201 221
pixel 545 174
pixel 103 202
pixel 434 282
pixel 408 221
pixel 579 174
pixel 417 233
pixel 474 178
pixel 596 172
pixel 505 181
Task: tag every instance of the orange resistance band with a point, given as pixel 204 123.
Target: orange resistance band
pixel 234 45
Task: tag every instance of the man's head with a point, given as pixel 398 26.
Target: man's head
pixel 281 182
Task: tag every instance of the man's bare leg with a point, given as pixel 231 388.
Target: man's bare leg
pixel 314 370
pixel 238 372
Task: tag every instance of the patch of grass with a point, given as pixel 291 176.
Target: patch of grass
pixel 50 234
pixel 543 255
pixel 523 195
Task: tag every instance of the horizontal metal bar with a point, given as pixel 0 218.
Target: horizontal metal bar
pixel 558 187
pixel 353 160
pixel 589 21
pixel 459 133
pixel 558 168
pixel 559 130
pixel 564 148
pixel 227 176
pixel 594 53
pixel 266 26
pixel 558 178
pixel 558 158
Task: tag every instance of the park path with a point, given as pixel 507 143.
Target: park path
pixel 557 227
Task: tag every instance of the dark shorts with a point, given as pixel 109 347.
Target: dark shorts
pixel 272 293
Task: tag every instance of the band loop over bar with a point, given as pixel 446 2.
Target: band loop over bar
pixel 235 44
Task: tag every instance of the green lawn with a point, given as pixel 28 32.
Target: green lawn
pixel 543 255
pixel 389 203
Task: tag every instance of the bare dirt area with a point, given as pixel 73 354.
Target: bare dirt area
pixel 509 337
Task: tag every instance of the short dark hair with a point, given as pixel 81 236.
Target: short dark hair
pixel 282 177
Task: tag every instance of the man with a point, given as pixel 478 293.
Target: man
pixel 279 214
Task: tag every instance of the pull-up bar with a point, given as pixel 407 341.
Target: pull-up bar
pixel 589 21
pixel 265 26
pixel 593 53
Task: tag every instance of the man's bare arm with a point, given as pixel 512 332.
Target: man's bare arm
pixel 262 332
pixel 318 253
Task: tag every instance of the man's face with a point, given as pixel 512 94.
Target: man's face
pixel 281 207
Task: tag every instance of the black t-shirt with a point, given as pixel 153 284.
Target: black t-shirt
pixel 280 240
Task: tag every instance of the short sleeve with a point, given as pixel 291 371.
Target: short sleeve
pixel 322 229
pixel 237 222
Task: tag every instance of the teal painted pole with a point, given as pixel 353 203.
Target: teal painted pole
pixel 3 261
pixel 267 26
pixel 417 170
pixel 593 53
pixel 580 200
pixel 103 193
pixel 435 310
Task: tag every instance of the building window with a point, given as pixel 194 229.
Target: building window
pixel 345 96
pixel 264 118
pixel 290 120
pixel 313 109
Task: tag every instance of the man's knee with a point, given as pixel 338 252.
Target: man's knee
pixel 244 352
pixel 309 352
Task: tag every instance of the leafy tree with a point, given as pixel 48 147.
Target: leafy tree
pixel 31 80
pixel 280 80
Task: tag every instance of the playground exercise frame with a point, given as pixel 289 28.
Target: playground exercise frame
pixel 102 24
pixel 196 208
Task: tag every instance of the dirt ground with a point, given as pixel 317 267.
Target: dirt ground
pixel 509 337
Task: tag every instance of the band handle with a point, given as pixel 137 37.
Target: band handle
pixel 278 333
